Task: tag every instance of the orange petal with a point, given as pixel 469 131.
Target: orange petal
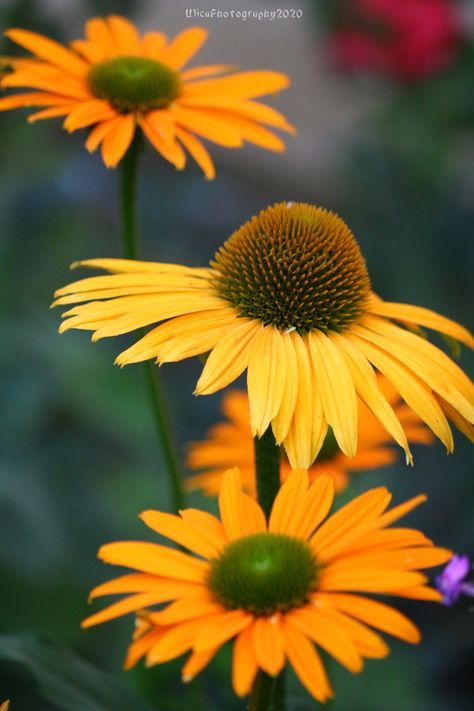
pixel 377 615
pixel 50 51
pixel 163 142
pixel 196 663
pixel 221 628
pixel 123 607
pixel 178 530
pixel 242 85
pixel 306 662
pixel 89 112
pixel 268 644
pixel 207 126
pixel 240 515
pixel 124 35
pixel 153 44
pixel 244 664
pixel 117 141
pixel 350 521
pixel 177 640
pixel 287 501
pixel 153 558
pixel 184 47
pixel 187 609
pixel 328 635
pixel 198 151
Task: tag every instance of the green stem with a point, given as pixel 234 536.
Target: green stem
pixel 268 692
pixel 267 467
pixel 128 211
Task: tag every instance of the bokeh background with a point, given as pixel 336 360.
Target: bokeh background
pixel 386 139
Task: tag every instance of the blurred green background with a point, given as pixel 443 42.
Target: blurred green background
pixel 78 456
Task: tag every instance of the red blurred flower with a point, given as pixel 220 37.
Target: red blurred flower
pixel 408 39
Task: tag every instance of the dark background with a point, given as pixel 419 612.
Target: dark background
pixel 78 459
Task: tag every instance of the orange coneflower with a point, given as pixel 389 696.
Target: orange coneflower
pixel 114 80
pixel 231 443
pixel 274 588
pixel 288 298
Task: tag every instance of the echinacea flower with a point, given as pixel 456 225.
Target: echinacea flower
pixel 451 582
pixel 288 298
pixel 276 589
pixel 115 81
pixel 231 443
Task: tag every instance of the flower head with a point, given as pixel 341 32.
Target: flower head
pixel 288 298
pixel 231 442
pixel 114 81
pixel 405 39
pixel 451 581
pixel 278 588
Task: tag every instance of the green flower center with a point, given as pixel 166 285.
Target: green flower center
pixel 296 267
pixel 264 573
pixel 134 83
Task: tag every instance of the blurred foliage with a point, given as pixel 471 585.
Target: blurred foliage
pixel 78 456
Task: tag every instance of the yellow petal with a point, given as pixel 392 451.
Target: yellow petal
pixel 228 359
pixel 266 378
pixel 336 390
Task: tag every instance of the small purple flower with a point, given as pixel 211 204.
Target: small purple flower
pixel 450 582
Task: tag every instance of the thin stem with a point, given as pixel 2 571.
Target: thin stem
pixel 128 212
pixel 268 692
pixel 267 466
pixel 128 199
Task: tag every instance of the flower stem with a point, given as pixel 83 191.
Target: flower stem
pixel 128 210
pixel 268 692
pixel 267 467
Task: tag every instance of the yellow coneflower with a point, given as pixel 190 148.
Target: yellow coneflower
pixel 288 298
pixel 274 588
pixel 114 81
pixel 231 443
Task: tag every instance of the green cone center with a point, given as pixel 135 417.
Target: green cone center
pixel 264 573
pixel 296 267
pixel 134 83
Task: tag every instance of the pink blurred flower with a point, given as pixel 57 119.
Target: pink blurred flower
pixel 407 39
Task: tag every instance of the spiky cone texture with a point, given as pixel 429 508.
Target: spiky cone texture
pixel 114 82
pixel 231 443
pixel 273 588
pixel 288 299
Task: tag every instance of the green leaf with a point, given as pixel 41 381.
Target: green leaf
pixel 67 680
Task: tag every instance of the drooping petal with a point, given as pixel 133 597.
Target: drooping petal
pixel 422 317
pixel 328 635
pixel 228 359
pixel 336 390
pixel 306 662
pixel 244 664
pixel 267 641
pixel 266 378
